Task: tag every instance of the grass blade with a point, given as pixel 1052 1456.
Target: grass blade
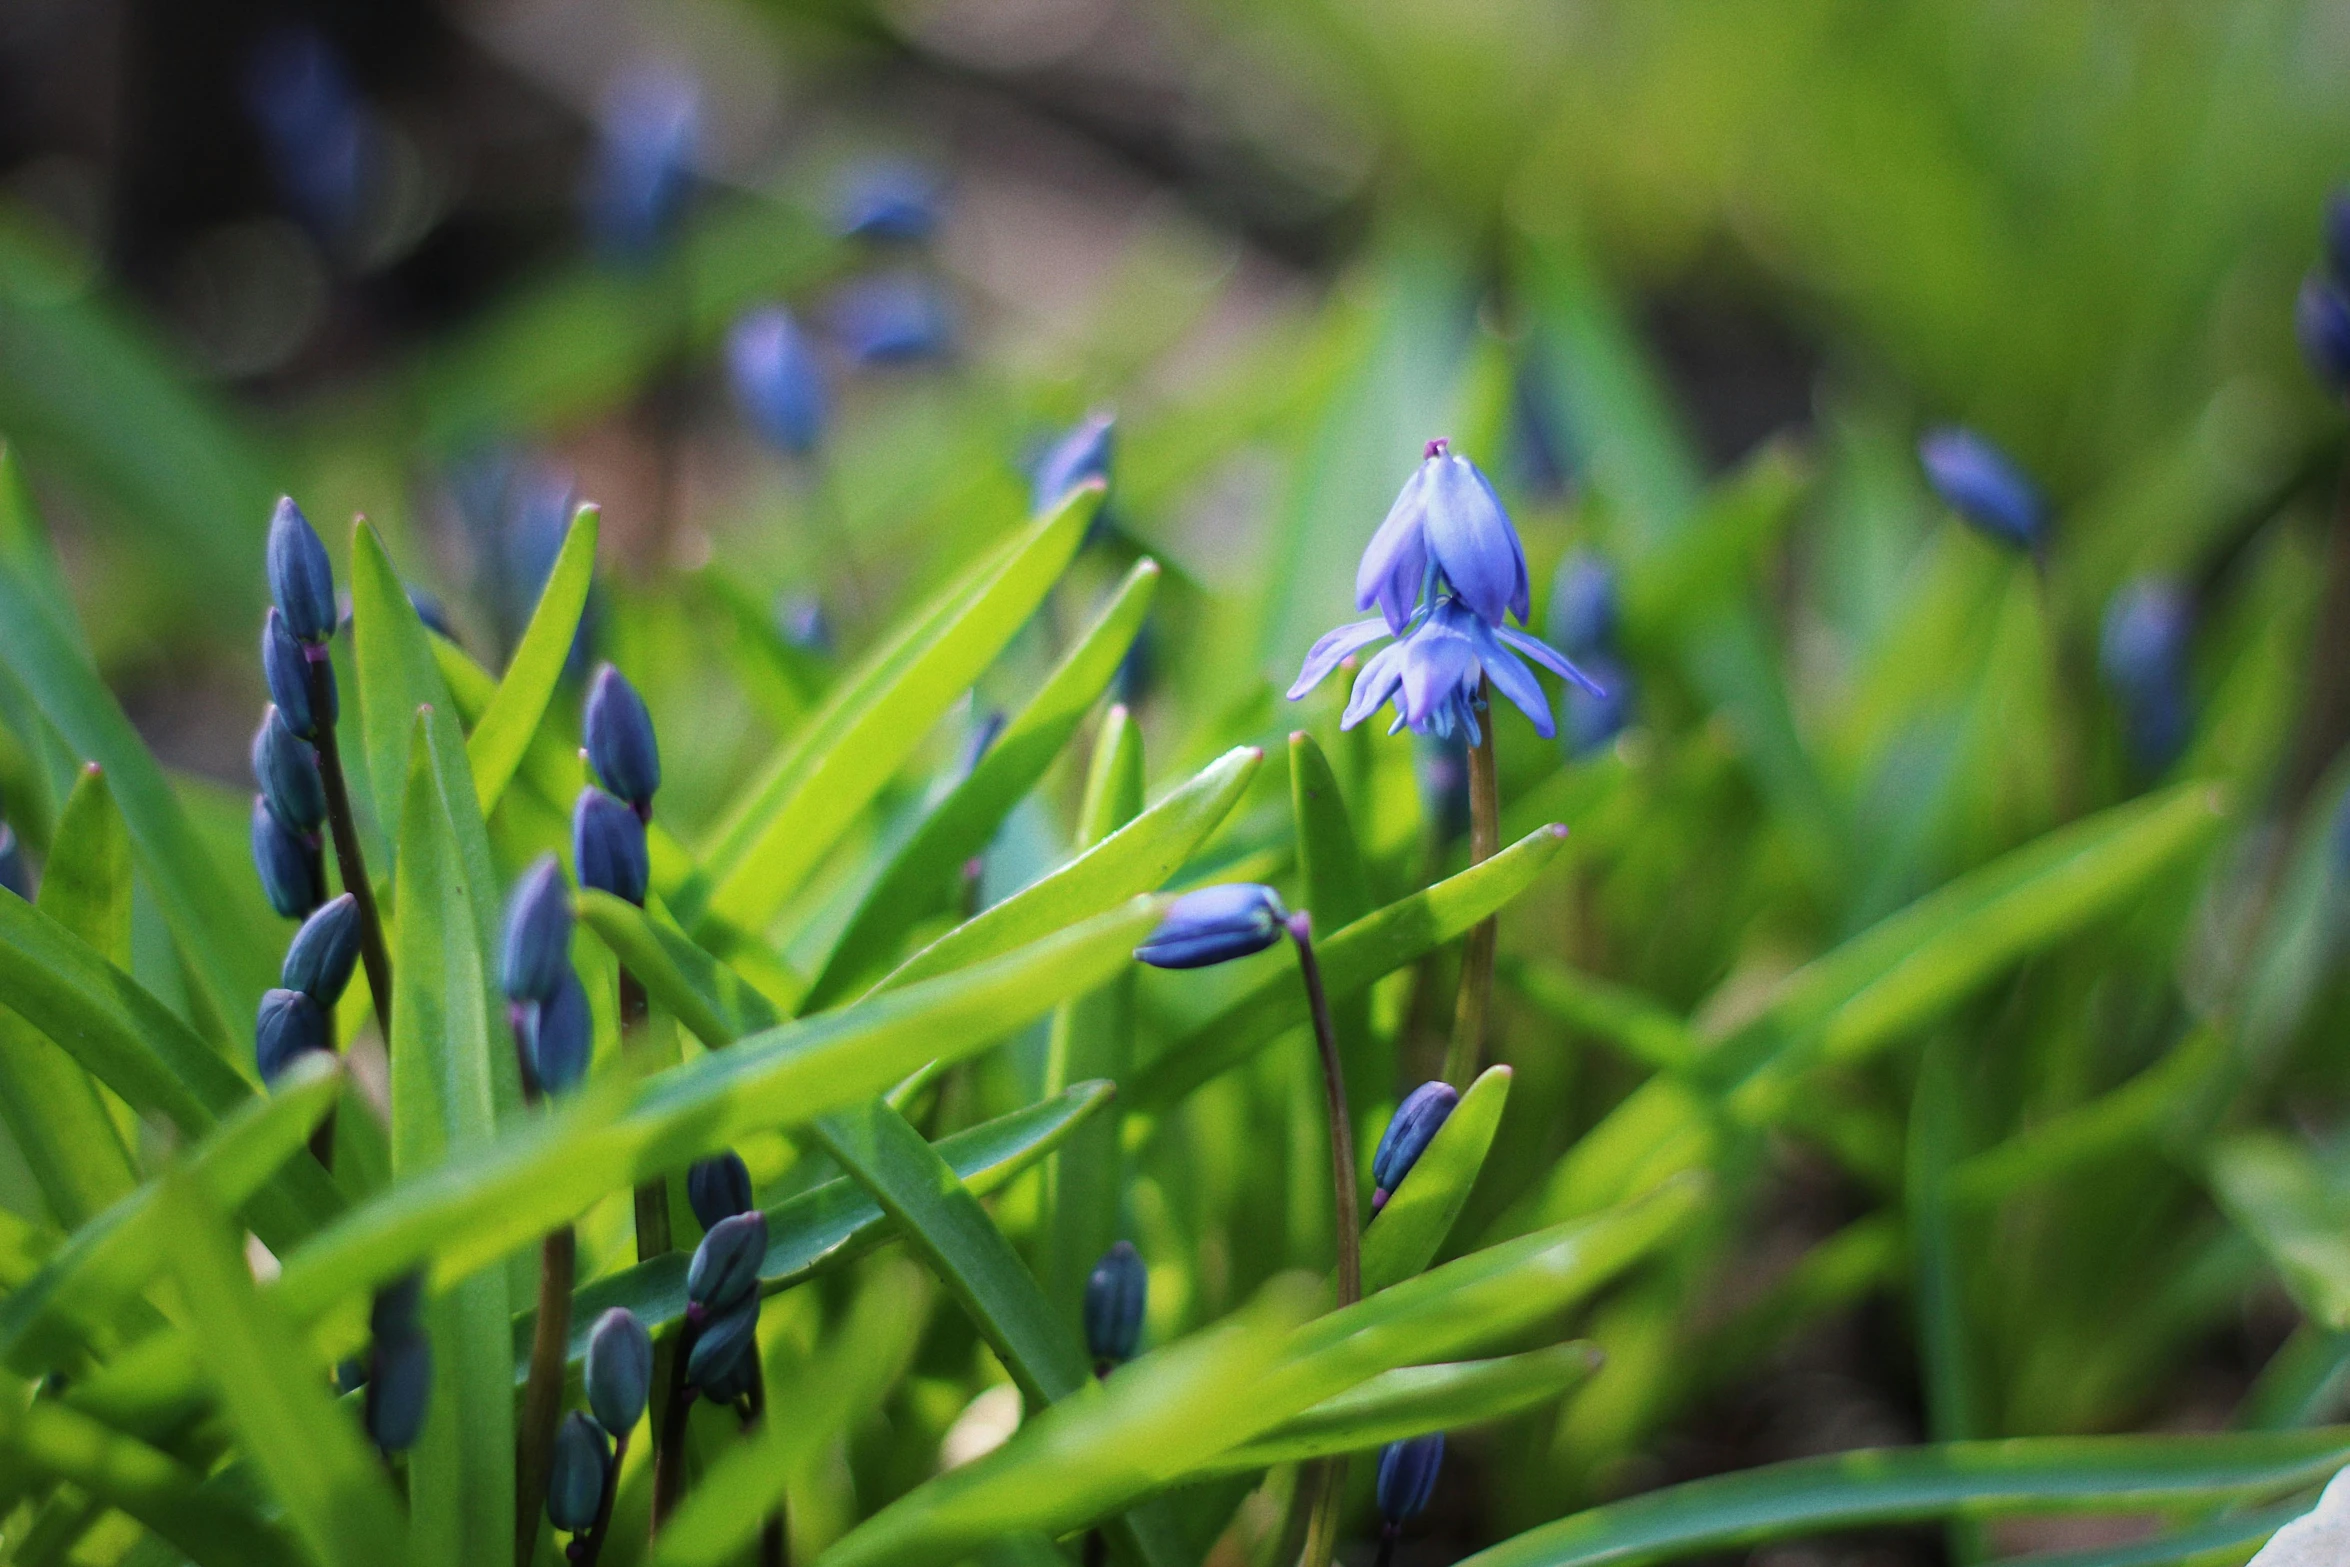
pixel 2278 1195
pixel 503 733
pixel 1406 1233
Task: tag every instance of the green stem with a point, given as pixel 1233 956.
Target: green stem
pixel 1322 1492
pixel 344 829
pixel 322 1136
pixel 542 1394
pixel 1476 994
pixel 591 1545
pixel 774 1543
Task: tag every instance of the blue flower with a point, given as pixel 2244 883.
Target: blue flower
pixel 2321 320
pixel 2142 652
pixel 399 1389
pixel 1115 1293
pixel 620 743
pixel 1433 673
pixel 1077 456
pixel 887 200
pixel 778 380
pixel 1215 925
pixel 301 578
pixel 642 171
pixel 286 768
pixel 1983 485
pixel 718 1188
pixel 608 847
pixel 1407 1476
pixel 1582 617
pixel 293 872
pixel 896 318
pixel 13 877
pixel 725 1267
pixel 290 1024
pixel 1445 524
pixel 1409 1132
pixel 576 1472
pixel 558 1036
pixel 321 140
pixel 619 1371
pixel 324 951
pixel 536 951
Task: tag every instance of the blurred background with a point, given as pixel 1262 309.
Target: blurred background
pixel 1687 280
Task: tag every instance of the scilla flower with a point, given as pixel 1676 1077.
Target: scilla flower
pixel 1407 1477
pixel 619 1372
pixel 894 319
pixel 1984 486
pixel 718 1188
pixel 1446 522
pixel 778 381
pixel 1433 673
pixel 1413 1127
pixel 1215 925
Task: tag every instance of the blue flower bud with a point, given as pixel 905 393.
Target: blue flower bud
pixel 286 768
pixel 2321 320
pixel 1409 1132
pixel 1115 1293
pixel 301 578
pixel 558 1036
pixel 13 875
pixel 1215 925
pixel 620 743
pixel 726 1352
pixel 324 951
pixel 399 1390
pixel 285 663
pixel 642 171
pixel 719 1187
pixel 576 1472
pixel 536 951
pixel 397 1309
pixel 778 380
pixel 619 1370
pixel 293 872
pixel 897 318
pixel 886 200
pixel 1983 485
pixel 2142 652
pixel 608 847
pixel 2337 227
pixel 289 1024
pixel 1078 456
pixel 1582 616
pixel 1407 1476
pixel 1592 721
pixel 725 1268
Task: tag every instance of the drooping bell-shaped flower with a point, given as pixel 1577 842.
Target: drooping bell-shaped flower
pixel 778 380
pixel 619 1371
pixel 649 130
pixel 620 742
pixel 1215 925
pixel 1984 486
pixel 1434 674
pixel 324 951
pixel 1446 521
pixel 1115 1294
pixel 895 318
pixel 1409 1132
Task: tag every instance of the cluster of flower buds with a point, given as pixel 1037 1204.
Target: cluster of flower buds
pixel 298 1016
pixel 1215 925
pixel 1582 623
pixel 399 1376
pixel 722 1307
pixel 2321 314
pixel 649 130
pixel 2142 652
pixel 1446 572
pixel 13 875
pixel 1409 1132
pixel 289 814
pixel 1115 1294
pixel 547 1005
pixel 1984 486
pixel 618 1379
pixel 608 824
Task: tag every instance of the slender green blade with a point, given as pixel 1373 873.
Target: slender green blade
pixel 308 1450
pixel 1330 860
pixel 1420 1212
pixel 962 823
pixel 714 1003
pixel 817 788
pixel 1643 1028
pixel 502 735
pixel 1377 944
pixel 397 673
pixel 2278 1195
pixel 1873 1487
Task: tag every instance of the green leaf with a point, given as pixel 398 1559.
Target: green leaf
pixel 1136 858
pixel 309 1451
pixel 54 1109
pixel 2277 1194
pixel 1413 1401
pixel 397 672
pixel 1647 1031
pixel 503 733
pixel 1330 861
pixel 444 1108
pixel 108 1261
pixel 1875 1487
pixel 1406 1233
pixel 793 816
pixel 1352 958
pixel 962 823
pixel 2222 1539
pixel 714 1003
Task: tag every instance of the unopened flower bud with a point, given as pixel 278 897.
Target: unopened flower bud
pixel 285 664
pixel 286 768
pixel 620 743
pixel 399 1389
pixel 1983 485
pixel 558 1036
pixel 1409 1132
pixel 575 1473
pixel 726 1352
pixel 293 873
pixel 1115 1293
pixel 778 380
pixel 289 1024
pixel 1215 925
pixel 1407 1476
pixel 13 876
pixel 301 578
pixel 619 1370
pixel 725 1269
pixel 608 847
pixel 719 1187
pixel 536 952
pixel 324 951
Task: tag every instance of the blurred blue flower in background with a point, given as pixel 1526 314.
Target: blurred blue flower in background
pixel 321 140
pixel 777 379
pixel 893 318
pixel 1984 486
pixel 1078 454
pixel 2321 320
pixel 2142 653
pixel 648 133
pixel 886 200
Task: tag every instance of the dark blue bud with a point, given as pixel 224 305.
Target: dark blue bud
pixel 608 847
pixel 1215 925
pixel 397 1309
pixel 324 951
pixel 886 201
pixel 13 875
pixel 399 1390
pixel 286 768
pixel 301 578
pixel 2321 319
pixel 1582 616
pixel 725 1269
pixel 2337 225
pixel 719 1187
pixel 1115 1293
pixel 558 1036
pixel 1080 455
pixel 536 952
pixel 619 1370
pixel 898 318
pixel 1409 1132
pixel 1407 1476
pixel 576 1471
pixel 322 143
pixel 620 743
pixel 726 1353
pixel 285 664
pixel 289 1024
pixel 1983 485
pixel 2142 644
pixel 293 872
pixel 1593 721
pixel 642 171
pixel 778 380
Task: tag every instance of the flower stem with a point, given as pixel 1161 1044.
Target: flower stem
pixel 1342 1137
pixel 652 1197
pixel 590 1546
pixel 1327 1489
pixel 1476 994
pixel 542 1395
pixel 344 829
pixel 774 1543
pixel 669 1426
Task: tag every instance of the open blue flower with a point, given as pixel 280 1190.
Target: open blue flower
pixel 1448 523
pixel 1433 669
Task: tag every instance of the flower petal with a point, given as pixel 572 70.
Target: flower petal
pixel 1548 657
pixel 1471 538
pixel 1513 679
pixel 1333 648
pixel 1438 664
pixel 1397 556
pixel 1374 685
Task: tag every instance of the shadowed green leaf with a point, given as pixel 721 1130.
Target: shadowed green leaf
pixel 503 733
pixel 397 675
pixel 2300 1219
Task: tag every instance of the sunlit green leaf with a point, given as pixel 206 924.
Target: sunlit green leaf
pixel 503 732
